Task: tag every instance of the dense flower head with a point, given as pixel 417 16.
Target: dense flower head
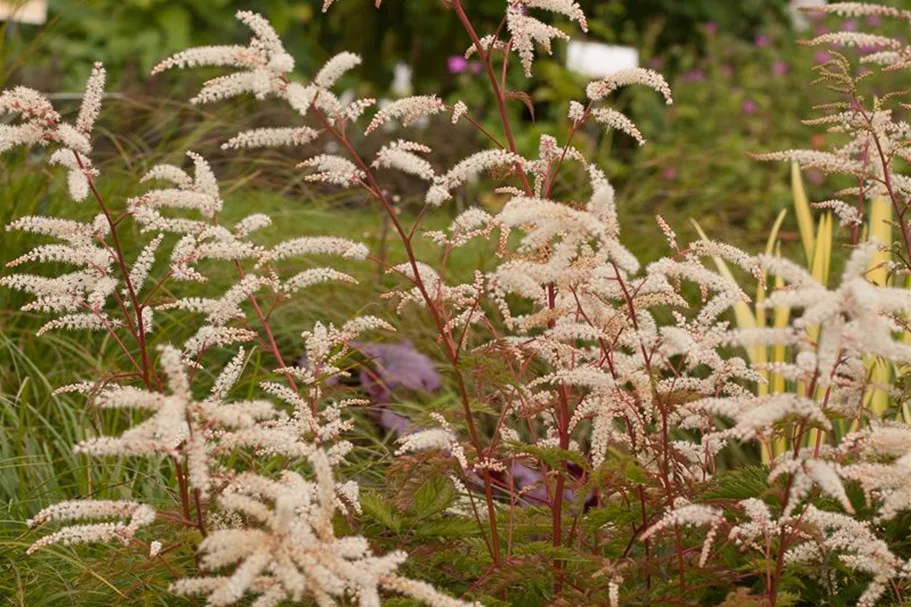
pixel 42 125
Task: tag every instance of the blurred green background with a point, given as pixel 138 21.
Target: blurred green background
pixel 131 35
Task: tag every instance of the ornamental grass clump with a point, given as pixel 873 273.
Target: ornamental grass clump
pixel 585 458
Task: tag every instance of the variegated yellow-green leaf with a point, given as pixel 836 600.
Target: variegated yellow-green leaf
pixel 880 229
pixel 743 315
pixel 802 209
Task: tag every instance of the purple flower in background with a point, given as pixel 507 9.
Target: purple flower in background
pixel 694 76
pixel 669 173
pixel 710 28
pixel 849 26
pixel 398 424
pixel 656 63
pixel 749 107
pixel 821 29
pixel 780 68
pixel 457 64
pixel 476 67
pixel 762 41
pixel 394 366
pixel 873 20
pixel 822 56
pixel 815 177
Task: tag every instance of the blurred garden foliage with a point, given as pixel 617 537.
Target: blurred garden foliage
pixel 131 34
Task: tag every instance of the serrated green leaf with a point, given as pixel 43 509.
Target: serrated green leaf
pixel 748 481
pixel 380 510
pixel 447 528
pixel 435 495
pixel 618 515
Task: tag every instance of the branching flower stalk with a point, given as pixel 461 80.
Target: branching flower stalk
pixel 608 389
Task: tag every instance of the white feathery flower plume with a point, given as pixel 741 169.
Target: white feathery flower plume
pixel 470 167
pixel 600 89
pixel 860 9
pixel 684 514
pixel 526 31
pixel 139 516
pixel 827 162
pixel 855 544
pixel 290 550
pixel 91 101
pixel 855 317
pixel 270 137
pixel 882 466
pixel 263 64
pixel 179 423
pixel 315 245
pixel 78 296
pixel 401 155
pixel 42 125
pixel 335 68
pixel 333 169
pixel 617 120
pixel 407 110
pixel 199 193
pixel 458 110
pixel 434 438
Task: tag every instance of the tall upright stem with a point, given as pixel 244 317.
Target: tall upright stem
pixel 148 372
pixel 449 347
pixel 497 90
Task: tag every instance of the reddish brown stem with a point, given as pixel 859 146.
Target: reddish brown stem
pixel 440 323
pixel 148 372
pixel 497 91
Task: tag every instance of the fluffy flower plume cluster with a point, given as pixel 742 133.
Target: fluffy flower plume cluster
pixel 598 357
pixel 872 125
pixel 292 551
pixel 139 516
pixel 526 31
pixel 40 124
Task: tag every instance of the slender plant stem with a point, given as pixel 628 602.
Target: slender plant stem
pixel 148 372
pixel 449 347
pixel 497 91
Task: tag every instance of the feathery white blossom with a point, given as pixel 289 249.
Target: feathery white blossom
pixel 478 162
pixel 263 64
pixel 333 169
pixel 316 245
pixel 407 110
pixel 526 31
pixel 616 120
pixel 139 516
pixel 401 155
pixel 91 101
pixel 291 551
pixel 42 125
pixel 333 69
pixel 686 515
pixel 458 110
pixel 602 88
pixel 270 137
